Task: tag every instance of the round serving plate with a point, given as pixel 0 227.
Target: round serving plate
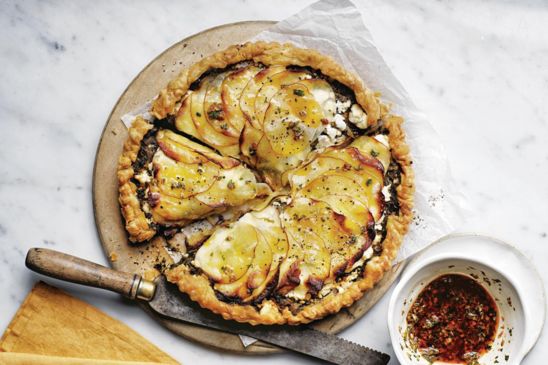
pixel 140 258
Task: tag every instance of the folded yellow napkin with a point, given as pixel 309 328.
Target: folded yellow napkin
pixel 51 327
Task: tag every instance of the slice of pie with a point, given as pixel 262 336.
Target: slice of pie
pixel 284 184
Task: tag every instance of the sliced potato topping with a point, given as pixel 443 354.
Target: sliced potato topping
pixel 227 255
pixel 323 231
pixel 272 118
pixel 206 132
pixel 191 181
pixel 270 115
pixel 249 94
pixel 215 111
pixel 271 87
pixel 231 89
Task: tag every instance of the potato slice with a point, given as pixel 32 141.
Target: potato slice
pixel 250 139
pixel 227 255
pixel 247 100
pixel 309 258
pixel 243 288
pixel 302 176
pixel 174 147
pixel 184 150
pixel 176 210
pixel 323 94
pixel 267 224
pixel 369 146
pixel 348 162
pixel 355 158
pixel 232 187
pixel 231 92
pixel 279 247
pixel 293 120
pixel 183 119
pixel 215 112
pixel 183 180
pixel 274 166
pixel 344 195
pixel 272 86
pixel 344 246
pixel 370 171
pixel 207 133
pixel 307 265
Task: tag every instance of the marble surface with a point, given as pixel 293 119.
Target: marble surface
pixel 479 69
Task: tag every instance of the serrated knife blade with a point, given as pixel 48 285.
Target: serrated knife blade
pixel 169 302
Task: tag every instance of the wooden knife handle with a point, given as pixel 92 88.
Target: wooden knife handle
pixel 70 268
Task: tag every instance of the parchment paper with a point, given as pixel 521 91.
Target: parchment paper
pixel 336 28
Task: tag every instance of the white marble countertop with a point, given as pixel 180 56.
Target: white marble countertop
pixel 478 69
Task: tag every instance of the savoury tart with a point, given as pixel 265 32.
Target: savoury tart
pixel 283 184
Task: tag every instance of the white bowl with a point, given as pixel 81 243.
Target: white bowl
pixel 503 272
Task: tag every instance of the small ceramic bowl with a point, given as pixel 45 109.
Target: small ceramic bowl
pixel 513 337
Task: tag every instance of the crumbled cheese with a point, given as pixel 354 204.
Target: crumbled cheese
pixel 378 224
pixel 382 138
pixel 342 106
pixel 329 108
pixel 324 141
pixel 143 177
pixel 340 124
pixel 386 192
pixel 333 133
pixel 358 117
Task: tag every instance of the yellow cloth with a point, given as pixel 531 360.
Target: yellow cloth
pixel 51 325
pixel 14 358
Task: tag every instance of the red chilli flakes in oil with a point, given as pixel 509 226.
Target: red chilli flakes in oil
pixel 454 319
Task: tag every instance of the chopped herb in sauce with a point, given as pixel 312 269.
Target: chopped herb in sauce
pixel 298 92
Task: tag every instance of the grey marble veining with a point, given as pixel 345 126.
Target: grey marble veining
pixel 479 69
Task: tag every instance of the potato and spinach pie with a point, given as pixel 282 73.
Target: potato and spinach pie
pixel 283 182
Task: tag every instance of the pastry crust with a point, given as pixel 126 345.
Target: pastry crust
pixel 136 223
pixel 267 54
pixel 198 286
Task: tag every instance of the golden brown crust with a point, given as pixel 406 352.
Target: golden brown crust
pixel 199 288
pixel 267 54
pixel 136 223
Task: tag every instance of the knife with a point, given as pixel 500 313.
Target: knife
pixel 165 299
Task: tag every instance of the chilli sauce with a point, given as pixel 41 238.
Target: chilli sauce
pixel 454 319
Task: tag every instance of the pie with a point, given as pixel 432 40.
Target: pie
pixel 284 184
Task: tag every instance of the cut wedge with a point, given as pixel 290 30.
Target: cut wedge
pixel 227 255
